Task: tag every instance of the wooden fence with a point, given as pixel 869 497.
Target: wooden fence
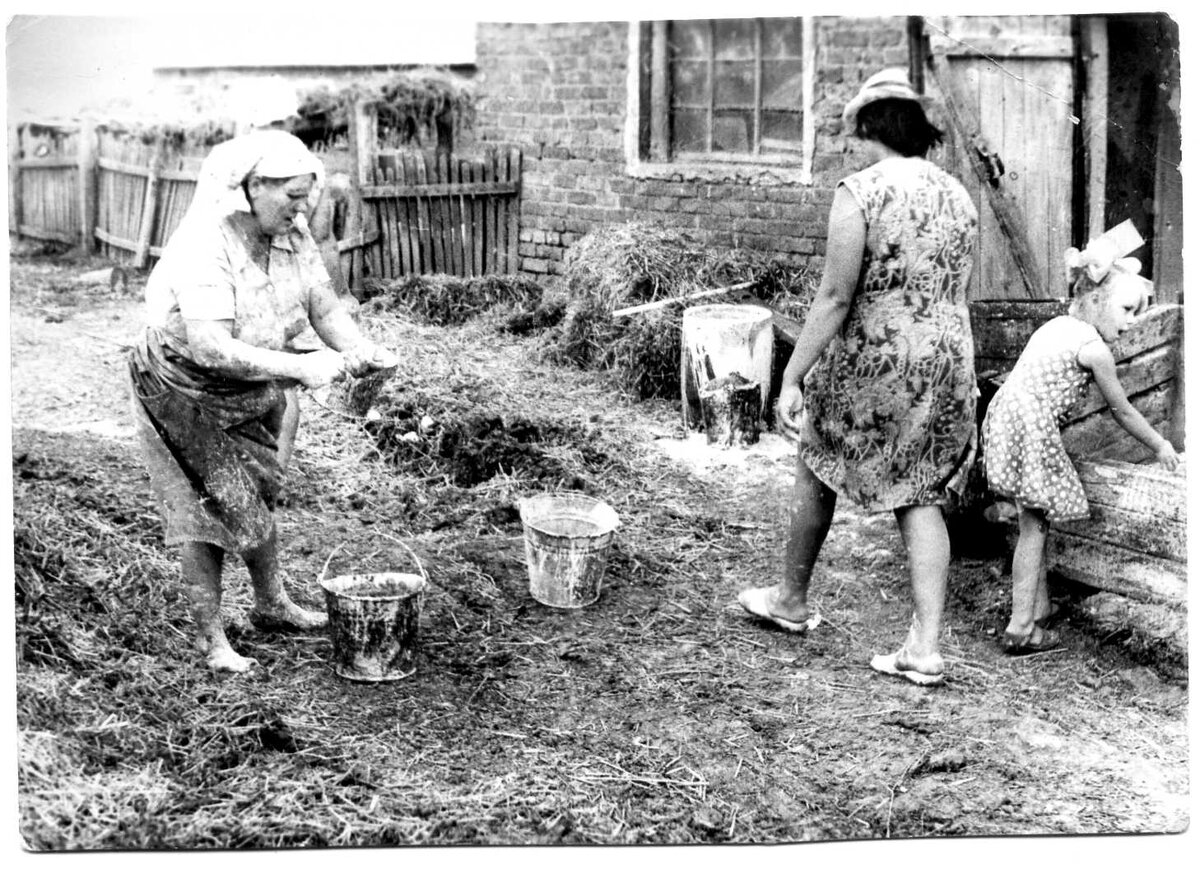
pixel 143 191
pixel 410 212
pixel 443 215
pixel 47 178
pixel 433 213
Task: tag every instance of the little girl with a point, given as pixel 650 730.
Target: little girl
pixel 1024 457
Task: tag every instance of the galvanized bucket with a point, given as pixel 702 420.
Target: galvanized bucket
pixel 567 541
pixel 373 622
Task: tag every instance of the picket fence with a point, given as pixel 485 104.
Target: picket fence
pixel 413 212
pixel 443 215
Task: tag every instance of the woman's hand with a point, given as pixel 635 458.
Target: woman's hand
pixel 367 356
pixel 1166 455
pixel 788 410
pixel 320 368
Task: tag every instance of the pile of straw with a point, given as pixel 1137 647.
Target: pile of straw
pixel 444 300
pixel 628 264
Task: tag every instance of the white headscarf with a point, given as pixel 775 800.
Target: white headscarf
pixel 267 153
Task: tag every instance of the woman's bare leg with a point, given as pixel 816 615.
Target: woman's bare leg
pixel 810 513
pixel 928 545
pixel 271 602
pixel 201 564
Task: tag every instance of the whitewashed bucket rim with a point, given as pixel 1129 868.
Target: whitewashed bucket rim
pixel 559 505
pixel 732 313
pixel 413 584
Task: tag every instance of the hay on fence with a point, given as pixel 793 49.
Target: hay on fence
pixel 444 300
pixel 629 264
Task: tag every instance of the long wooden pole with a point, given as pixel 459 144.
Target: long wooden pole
pixel 663 303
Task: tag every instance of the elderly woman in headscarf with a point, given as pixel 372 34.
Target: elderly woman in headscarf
pixel 238 281
pixel 886 358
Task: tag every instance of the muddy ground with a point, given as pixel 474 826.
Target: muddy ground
pixel 661 714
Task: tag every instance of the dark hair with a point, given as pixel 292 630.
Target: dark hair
pixel 899 124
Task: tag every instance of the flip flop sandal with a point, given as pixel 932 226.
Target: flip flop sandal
pixel 887 664
pixel 1017 646
pixel 756 602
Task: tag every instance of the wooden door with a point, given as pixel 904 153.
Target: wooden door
pixel 1012 80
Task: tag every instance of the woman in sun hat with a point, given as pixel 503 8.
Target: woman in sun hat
pixel 880 389
pixel 239 279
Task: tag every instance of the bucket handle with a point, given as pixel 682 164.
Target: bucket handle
pixel 407 548
pixel 325 566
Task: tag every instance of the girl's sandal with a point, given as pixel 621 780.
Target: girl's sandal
pixel 1041 640
pixel 1052 615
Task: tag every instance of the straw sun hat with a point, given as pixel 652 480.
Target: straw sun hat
pixel 886 84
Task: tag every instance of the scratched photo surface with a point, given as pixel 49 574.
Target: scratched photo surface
pixel 522 429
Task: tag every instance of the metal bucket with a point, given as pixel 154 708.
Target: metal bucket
pixel 373 621
pixel 567 540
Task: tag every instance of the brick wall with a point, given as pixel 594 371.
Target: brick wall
pixel 558 91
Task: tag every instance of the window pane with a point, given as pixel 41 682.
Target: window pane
pixel 733 131
pixel 723 64
pixel 783 81
pixel 782 38
pixel 689 83
pixel 689 39
pixel 735 39
pixel 735 84
pixel 782 132
pixel 690 133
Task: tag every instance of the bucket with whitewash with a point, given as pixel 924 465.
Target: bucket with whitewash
pixel 373 622
pixel 567 541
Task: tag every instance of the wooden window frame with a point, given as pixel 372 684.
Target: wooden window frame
pixel 647 147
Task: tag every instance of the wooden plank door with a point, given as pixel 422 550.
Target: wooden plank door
pixel 1013 79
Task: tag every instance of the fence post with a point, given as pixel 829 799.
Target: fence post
pixel 149 206
pixel 87 183
pixel 364 137
pixel 14 179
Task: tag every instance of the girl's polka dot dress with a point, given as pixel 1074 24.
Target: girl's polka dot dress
pixel 1023 453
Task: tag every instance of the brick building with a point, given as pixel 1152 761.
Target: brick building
pixel 732 129
pixel 579 100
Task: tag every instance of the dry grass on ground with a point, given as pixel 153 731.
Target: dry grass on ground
pixel 660 714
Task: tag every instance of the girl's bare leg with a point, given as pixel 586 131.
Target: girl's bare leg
pixel 1029 593
pixel 271 601
pixel 928 544
pixel 201 563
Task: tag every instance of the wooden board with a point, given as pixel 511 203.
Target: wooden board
pixel 1121 571
pixel 1015 74
pixel 1134 543
pixel 1099 436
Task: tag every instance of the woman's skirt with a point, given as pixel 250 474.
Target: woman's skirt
pixel 210 447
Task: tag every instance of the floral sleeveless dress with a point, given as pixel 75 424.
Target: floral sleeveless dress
pixel 1023 453
pixel 889 408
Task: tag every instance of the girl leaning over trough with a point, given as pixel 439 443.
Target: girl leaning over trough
pixel 886 416
pixel 1024 458
pixel 214 376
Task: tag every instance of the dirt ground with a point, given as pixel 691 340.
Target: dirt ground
pixel 661 714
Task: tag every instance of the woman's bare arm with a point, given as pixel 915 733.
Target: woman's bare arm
pixel 213 346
